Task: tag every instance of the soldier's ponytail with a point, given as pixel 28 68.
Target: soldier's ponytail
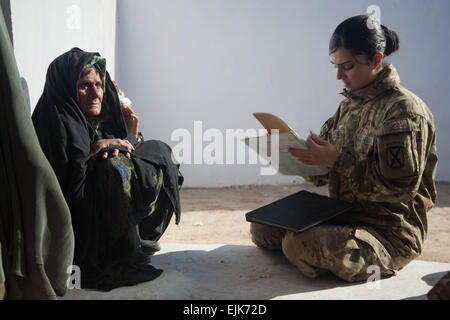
pixel 363 35
pixel 392 41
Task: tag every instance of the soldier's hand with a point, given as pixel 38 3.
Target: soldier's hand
pixel 320 152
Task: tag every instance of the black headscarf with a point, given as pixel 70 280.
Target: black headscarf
pixel 66 135
pixel 64 132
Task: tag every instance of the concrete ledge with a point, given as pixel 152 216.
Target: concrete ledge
pixel 231 272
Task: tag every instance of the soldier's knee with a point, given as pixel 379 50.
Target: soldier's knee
pixel 304 245
pixel 292 247
pixel 297 251
pixel 364 274
pixel 361 264
pixel 265 236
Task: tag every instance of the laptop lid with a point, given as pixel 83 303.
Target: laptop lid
pixel 299 211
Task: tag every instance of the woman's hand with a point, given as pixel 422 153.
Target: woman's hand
pixel 320 152
pixel 104 143
pixel 131 120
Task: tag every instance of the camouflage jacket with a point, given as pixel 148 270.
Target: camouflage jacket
pixel 387 162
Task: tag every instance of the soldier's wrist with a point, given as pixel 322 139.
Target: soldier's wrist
pixel 343 163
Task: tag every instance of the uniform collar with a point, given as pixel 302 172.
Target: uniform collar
pixel 387 79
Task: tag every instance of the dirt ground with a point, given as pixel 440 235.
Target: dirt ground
pixel 217 216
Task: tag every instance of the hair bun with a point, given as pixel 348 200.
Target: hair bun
pixel 392 41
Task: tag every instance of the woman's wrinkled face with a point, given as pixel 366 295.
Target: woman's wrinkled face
pixel 355 71
pixel 90 92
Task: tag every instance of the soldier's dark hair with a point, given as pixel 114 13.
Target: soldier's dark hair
pixel 363 35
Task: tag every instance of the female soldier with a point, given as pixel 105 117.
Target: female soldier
pixel 380 147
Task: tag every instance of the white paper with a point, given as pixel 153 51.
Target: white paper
pixel 287 164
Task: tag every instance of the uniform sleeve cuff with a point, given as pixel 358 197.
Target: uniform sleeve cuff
pixel 343 162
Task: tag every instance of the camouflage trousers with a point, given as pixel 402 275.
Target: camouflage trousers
pixel 347 252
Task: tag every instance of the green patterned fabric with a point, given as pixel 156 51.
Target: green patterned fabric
pixel 123 206
pixel 98 63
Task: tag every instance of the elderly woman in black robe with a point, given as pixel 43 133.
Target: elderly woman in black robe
pixel 121 191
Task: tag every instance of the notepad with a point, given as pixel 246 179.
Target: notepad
pixel 287 139
pixel 299 211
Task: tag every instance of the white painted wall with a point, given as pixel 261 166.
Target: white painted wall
pixel 220 60
pixel 44 29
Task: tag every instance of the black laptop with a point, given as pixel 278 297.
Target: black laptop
pixel 299 211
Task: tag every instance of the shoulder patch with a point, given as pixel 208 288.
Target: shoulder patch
pixel 395 126
pixel 395 157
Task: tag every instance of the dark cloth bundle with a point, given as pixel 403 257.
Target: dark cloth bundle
pixel 66 136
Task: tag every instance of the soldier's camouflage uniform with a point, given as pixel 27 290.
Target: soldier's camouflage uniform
pixel 386 166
